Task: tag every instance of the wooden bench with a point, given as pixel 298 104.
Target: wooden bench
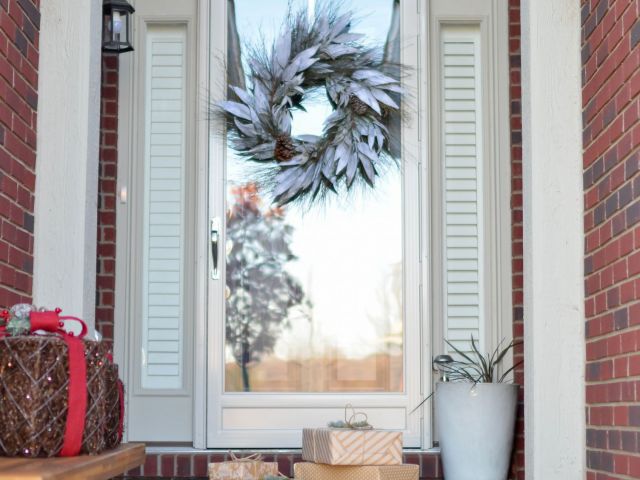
pixel 85 467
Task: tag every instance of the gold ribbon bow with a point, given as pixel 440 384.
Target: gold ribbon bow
pixel 255 457
pixel 355 421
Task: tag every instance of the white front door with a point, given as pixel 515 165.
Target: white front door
pixel 307 309
pixel 313 307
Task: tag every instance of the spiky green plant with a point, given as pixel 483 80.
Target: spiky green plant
pixel 478 368
pixel 474 367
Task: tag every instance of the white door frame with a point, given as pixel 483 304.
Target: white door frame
pixel 205 25
pixel 415 286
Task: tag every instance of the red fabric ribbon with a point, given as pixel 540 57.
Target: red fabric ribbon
pixel 51 321
pixel 45 320
pixel 4 315
pixel 77 400
pixel 121 398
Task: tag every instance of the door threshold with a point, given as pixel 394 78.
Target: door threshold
pixel 177 449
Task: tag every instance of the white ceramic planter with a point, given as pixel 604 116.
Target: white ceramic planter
pixel 476 428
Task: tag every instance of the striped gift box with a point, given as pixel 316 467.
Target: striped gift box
pixel 341 446
pixel 314 471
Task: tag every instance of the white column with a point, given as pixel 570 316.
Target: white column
pixel 67 160
pixel 553 240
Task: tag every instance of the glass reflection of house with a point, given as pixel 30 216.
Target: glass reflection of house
pixel 235 72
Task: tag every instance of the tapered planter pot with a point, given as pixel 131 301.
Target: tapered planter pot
pixel 476 427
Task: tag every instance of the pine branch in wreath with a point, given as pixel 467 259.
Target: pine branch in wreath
pixel 361 87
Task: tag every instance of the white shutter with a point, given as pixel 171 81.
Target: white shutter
pixel 462 168
pixel 164 242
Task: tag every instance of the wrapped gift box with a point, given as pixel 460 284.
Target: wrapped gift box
pixel 242 469
pixel 343 446
pixel 35 397
pixel 316 471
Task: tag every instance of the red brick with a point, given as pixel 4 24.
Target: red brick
pixel 634 365
pixel 200 465
pixel 633 264
pixel 634 315
pixel 285 466
pixel 183 465
pixel 167 465
pixel 150 465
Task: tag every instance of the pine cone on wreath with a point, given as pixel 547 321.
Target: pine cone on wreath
pixel 284 149
pixel 386 111
pixel 357 106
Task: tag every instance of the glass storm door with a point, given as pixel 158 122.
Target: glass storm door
pixel 316 306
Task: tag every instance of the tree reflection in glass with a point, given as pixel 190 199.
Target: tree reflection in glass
pixel 262 294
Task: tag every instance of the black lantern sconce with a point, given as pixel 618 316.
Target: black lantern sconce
pixel 116 26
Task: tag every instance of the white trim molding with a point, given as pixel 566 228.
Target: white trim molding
pixel 553 241
pixel 67 160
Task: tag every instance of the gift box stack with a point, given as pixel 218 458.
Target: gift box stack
pixel 60 393
pixel 348 453
pixel 349 450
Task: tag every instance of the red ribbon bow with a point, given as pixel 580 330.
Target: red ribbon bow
pixel 47 320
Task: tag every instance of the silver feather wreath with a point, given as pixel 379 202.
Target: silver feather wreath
pixel 360 85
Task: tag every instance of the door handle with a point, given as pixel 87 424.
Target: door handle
pixel 215 248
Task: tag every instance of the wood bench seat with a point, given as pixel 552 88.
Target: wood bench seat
pixel 84 467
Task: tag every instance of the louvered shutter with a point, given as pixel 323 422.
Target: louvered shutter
pixel 162 336
pixel 462 157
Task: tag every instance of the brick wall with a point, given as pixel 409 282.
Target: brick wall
pixel 516 223
pixel 611 113
pixel 106 252
pixel 19 37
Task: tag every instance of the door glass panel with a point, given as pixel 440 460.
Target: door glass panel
pixel 314 294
